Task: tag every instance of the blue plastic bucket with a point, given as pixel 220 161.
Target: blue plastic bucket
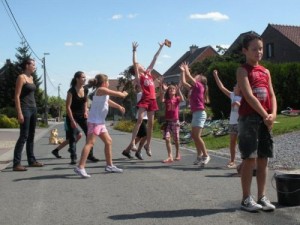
pixel 288 189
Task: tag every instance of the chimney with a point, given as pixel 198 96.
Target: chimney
pixel 193 48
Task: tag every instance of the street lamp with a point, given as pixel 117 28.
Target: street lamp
pixel 45 85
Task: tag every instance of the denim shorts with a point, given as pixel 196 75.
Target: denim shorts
pixel 255 140
pixel 233 129
pixel 199 118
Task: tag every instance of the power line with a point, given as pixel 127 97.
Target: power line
pixel 19 29
pixel 11 20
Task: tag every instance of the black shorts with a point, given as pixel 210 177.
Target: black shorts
pixel 255 140
pixel 142 130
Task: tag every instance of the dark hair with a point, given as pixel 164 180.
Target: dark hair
pixel 76 75
pixel 248 38
pixel 167 96
pixel 98 80
pixel 25 62
pixel 131 70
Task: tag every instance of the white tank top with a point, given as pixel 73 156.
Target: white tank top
pixel 99 109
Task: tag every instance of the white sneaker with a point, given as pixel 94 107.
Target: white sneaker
pixel 81 172
pixel 205 160
pixel 250 205
pixel 113 169
pixel 266 204
pixel 197 161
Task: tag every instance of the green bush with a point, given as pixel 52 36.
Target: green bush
pixel 9 112
pixel 6 122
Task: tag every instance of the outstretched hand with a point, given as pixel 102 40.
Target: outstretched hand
pixel 134 45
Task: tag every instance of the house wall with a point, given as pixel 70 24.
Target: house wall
pixel 284 49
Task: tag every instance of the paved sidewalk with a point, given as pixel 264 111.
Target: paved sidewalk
pixel 8 139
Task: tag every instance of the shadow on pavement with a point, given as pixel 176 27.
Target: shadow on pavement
pixel 172 214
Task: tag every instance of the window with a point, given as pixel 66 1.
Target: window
pixel 270 50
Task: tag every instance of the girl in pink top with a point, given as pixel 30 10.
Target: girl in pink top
pixel 198 98
pixel 171 100
pixel 148 101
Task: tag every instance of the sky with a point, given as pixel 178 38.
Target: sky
pixel 95 36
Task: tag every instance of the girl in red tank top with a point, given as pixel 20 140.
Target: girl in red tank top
pixel 148 101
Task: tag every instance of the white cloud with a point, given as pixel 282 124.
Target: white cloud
pixel 216 16
pixel 70 44
pixel 166 56
pixel 132 16
pixel 117 17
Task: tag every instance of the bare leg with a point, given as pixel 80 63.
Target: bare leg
pixel 105 137
pixel 199 143
pixel 169 149
pixel 86 150
pixel 149 128
pixel 233 141
pixel 246 176
pixel 261 176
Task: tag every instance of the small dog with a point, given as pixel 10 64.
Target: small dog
pixel 54 139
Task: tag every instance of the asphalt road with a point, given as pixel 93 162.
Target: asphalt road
pixel 148 192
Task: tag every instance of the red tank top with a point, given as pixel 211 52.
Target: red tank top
pixel 147 86
pixel 259 82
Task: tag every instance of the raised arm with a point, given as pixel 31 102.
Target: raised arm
pixel 161 45
pixel 134 60
pixel 179 92
pixel 220 84
pixel 182 75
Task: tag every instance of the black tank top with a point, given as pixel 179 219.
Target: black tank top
pixel 78 103
pixel 27 95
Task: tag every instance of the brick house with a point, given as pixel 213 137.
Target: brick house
pixel 195 54
pixel 281 43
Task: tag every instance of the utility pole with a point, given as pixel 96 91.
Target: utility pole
pixel 59 108
pixel 45 91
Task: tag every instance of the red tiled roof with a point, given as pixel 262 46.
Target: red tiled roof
pixel 291 32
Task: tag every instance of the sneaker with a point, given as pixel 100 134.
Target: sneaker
pixel 266 204
pixel 55 153
pixel 139 155
pixel 197 161
pixel 205 160
pixel 250 205
pixel 81 172
pixel 127 154
pixel 113 169
pixel 231 165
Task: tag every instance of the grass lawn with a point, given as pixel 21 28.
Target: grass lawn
pixel 284 124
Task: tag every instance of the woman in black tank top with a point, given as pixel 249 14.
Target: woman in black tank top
pixel 27 113
pixel 77 113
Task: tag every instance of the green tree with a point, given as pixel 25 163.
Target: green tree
pixel 126 83
pixel 56 106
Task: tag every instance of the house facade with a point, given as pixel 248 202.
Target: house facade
pixel 195 54
pixel 281 43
